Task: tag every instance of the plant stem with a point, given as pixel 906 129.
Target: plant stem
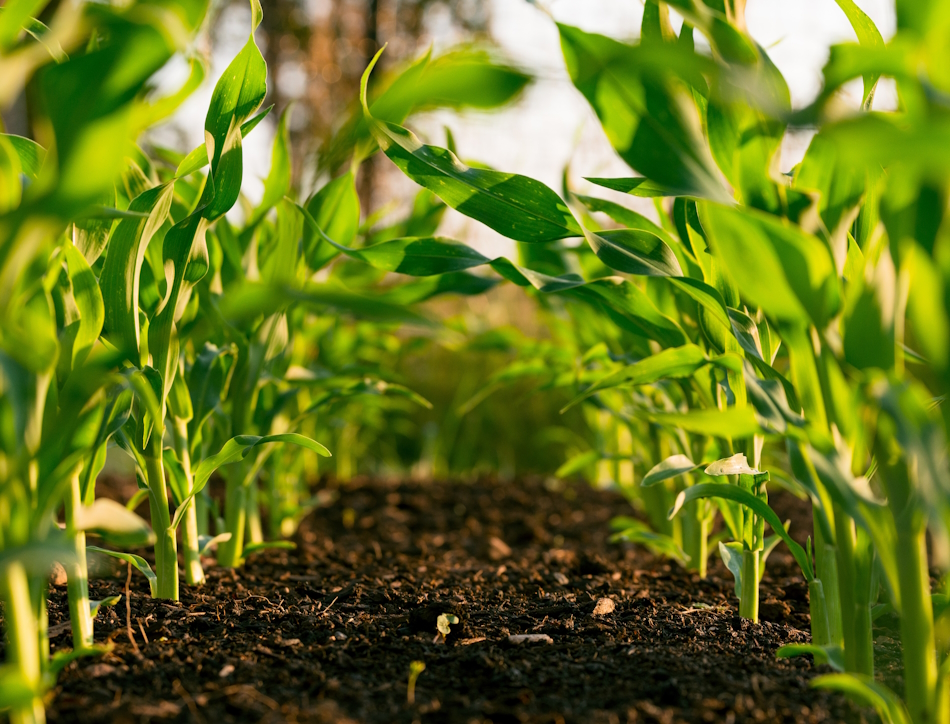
pixel 917 626
pixel 817 605
pixel 194 573
pixel 826 570
pixel 23 650
pixel 166 546
pixel 230 551
pixel 696 536
pixel 255 531
pixel 749 600
pixel 77 574
pixel 844 532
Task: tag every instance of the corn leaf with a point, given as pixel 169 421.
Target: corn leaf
pixel 516 206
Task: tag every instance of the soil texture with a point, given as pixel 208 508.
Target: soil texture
pixel 327 632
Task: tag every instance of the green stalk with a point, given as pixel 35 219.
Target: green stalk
pixel 194 573
pixel 844 531
pixel 818 608
pixel 826 570
pixel 255 531
pixel 917 627
pixel 202 512
pixel 23 650
pixel 749 600
pixel 166 545
pixel 235 509
pixel 77 574
pixel 695 533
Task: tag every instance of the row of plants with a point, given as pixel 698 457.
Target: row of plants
pixel 137 316
pixel 788 325
pixel 763 326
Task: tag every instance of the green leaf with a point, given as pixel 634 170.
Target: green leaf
pixel 235 449
pixel 577 463
pixel 636 186
pixel 634 251
pixel 641 95
pixel 251 548
pixel 830 655
pixel 277 183
pixel 30 154
pixel 336 210
pixel 671 467
pixel 207 542
pixel 516 206
pixel 758 506
pixel 94 606
pixel 867 691
pixel 636 531
pixel 669 363
pixel 88 299
pixel 238 93
pixel 731 554
pixel 113 522
pixel 780 268
pixel 868 36
pixel 140 563
pixel 120 275
pixel 733 422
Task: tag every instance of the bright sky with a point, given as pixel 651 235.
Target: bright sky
pixel 552 125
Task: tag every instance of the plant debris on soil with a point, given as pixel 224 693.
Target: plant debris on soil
pixel 555 624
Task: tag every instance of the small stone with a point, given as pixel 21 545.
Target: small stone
pixel 604 606
pixel 57 576
pixel 530 639
pixel 339 636
pixel 226 671
pixel 498 549
pixel 560 578
pixel 97 670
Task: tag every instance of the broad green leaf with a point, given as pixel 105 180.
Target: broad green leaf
pixel 140 563
pixel 113 522
pixel 780 268
pixel 335 209
pixel 636 531
pixel 206 542
pixel 198 158
pixel 759 507
pixel 869 36
pixel 237 448
pixel 420 257
pixel 30 154
pixel 733 422
pixel 669 363
pixel 731 554
pixel 577 463
pixel 641 95
pixel 88 299
pixel 735 465
pixel 120 275
pixel 634 251
pixel 636 186
pixel 867 691
pixel 671 467
pixel 831 655
pixel 10 187
pixel 516 206
pixel 413 257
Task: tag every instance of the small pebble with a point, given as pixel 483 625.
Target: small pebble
pixel 560 578
pixel 530 639
pixel 226 671
pixel 604 606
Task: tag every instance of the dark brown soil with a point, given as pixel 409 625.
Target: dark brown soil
pixel 326 633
